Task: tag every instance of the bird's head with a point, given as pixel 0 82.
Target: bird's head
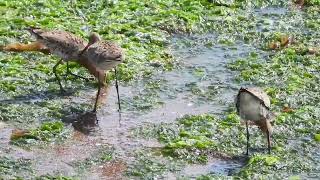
pixel 93 38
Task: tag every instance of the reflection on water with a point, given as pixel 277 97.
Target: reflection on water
pixel 85 122
pixel 227 166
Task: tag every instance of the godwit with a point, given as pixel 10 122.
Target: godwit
pixel 39 46
pixel 253 104
pixel 100 56
pixel 97 56
pixel 61 43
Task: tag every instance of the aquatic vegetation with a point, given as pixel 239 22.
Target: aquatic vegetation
pixel 58 177
pixel 99 157
pixel 290 77
pixel 14 167
pixel 46 133
pixel 289 74
pixel 196 138
pixel 148 166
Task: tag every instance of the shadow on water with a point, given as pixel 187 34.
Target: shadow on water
pixel 221 165
pixel 227 167
pixel 85 123
pixel 200 68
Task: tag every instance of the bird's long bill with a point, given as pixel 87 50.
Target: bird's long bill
pixel 84 49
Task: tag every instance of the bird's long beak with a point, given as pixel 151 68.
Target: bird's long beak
pixel 84 49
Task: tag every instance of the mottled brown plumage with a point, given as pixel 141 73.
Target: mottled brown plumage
pixel 61 43
pixel 99 57
pixel 104 55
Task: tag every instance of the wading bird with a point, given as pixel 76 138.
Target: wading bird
pixel 61 43
pixel 97 56
pixel 101 56
pixel 64 44
pixel 253 104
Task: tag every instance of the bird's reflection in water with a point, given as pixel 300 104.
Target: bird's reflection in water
pixel 85 123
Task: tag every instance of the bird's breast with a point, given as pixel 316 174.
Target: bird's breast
pixel 250 108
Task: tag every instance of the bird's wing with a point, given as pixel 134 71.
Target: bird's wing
pixel 62 37
pixel 260 95
pixel 110 51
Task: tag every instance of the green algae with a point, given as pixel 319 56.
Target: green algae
pixel 192 138
pixel 290 77
pixel 286 74
pixel 57 177
pixel 99 157
pixel 148 166
pixel 48 132
pixel 196 138
pixel 14 167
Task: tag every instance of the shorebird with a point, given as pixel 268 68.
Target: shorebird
pixel 99 57
pixel 61 43
pixel 253 104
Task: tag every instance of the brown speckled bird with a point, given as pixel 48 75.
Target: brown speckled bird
pixel 253 104
pixel 61 43
pixel 97 56
pixel 100 56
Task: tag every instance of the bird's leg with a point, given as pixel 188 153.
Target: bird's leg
pixel 117 87
pixel 98 94
pixel 57 77
pixel 19 47
pixel 247 137
pixel 269 141
pixel 75 75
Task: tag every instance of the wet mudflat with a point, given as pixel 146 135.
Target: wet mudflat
pixel 178 119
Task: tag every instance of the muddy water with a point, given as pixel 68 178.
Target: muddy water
pixel 177 100
pixel 199 67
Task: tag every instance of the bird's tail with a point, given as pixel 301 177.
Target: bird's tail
pixel 35 31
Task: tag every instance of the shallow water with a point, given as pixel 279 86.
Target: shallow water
pixel 176 99
pixel 116 132
pixel 201 69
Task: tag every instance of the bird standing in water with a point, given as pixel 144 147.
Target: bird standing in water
pixel 253 104
pixel 97 56
pixel 101 56
pixel 65 45
pixel 61 43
